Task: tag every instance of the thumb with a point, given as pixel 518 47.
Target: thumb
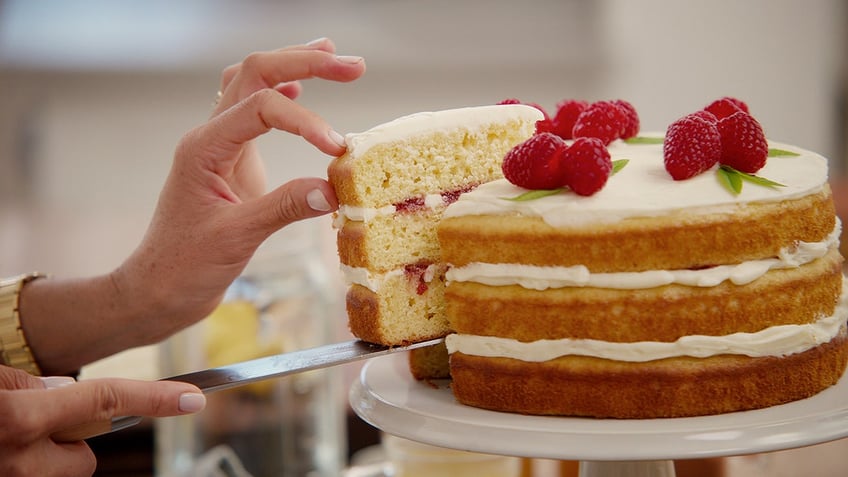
pixel 291 202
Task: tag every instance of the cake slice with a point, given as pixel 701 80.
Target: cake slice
pixel 393 183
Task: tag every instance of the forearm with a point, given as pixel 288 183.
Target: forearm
pixel 71 322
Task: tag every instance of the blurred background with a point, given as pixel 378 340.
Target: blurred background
pixel 95 95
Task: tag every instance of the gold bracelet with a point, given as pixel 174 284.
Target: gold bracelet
pixel 14 349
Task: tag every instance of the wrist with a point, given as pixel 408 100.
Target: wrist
pixel 15 350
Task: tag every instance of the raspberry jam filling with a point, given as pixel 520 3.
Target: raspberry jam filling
pixel 417 204
pixel 416 274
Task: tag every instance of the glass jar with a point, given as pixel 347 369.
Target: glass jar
pixel 294 426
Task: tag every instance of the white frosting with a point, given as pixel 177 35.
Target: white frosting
pixel 780 340
pixel 366 278
pixel 643 188
pixel 542 278
pixel 366 214
pixel 374 280
pixel 429 122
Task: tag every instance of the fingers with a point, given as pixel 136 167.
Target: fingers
pixel 293 201
pixel 268 69
pixel 323 44
pixel 264 110
pixel 103 399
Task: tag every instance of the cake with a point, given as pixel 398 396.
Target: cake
pixel 652 297
pixel 393 184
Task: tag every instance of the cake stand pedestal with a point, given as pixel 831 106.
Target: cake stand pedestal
pixel 386 396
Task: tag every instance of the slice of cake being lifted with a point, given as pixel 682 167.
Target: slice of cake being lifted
pixel 393 184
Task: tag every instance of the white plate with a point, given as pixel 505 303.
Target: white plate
pixel 387 397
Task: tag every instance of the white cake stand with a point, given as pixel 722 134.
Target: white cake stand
pixel 387 397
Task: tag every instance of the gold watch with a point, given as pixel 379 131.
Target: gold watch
pixel 14 349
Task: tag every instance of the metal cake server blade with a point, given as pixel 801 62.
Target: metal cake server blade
pixel 239 374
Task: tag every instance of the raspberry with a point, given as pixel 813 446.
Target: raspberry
pixel 739 103
pixel 536 163
pixel 544 126
pixel 603 120
pixel 706 115
pixel 692 145
pixel 743 142
pixel 726 106
pixel 631 119
pixel 562 123
pixel 587 165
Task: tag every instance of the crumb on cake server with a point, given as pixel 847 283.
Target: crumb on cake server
pixel 393 183
pixel 651 298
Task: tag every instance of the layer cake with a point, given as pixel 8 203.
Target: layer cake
pixel 652 297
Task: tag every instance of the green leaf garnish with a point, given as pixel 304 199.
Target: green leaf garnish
pixel 774 152
pixel 534 194
pixel 644 140
pixel 732 179
pixel 618 165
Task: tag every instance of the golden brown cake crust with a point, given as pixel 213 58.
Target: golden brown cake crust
pixel 672 242
pixel 788 296
pixel 369 321
pixel 429 362
pixel 674 387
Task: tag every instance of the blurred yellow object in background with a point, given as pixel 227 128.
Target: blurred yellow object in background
pixel 233 334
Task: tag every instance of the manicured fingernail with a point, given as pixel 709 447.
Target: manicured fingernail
pixel 336 138
pixel 317 41
pixel 192 402
pixel 315 198
pixel 52 382
pixel 349 59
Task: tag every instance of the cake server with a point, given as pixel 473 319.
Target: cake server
pixel 239 374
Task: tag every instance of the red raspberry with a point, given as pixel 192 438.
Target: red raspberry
pixel 739 103
pixel 743 142
pixel 706 115
pixel 544 126
pixel 587 165
pixel 692 145
pixel 602 119
pixel 568 110
pixel 510 101
pixel 536 163
pixel 631 122
pixel 726 106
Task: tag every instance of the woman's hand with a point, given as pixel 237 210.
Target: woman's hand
pixel 34 409
pixel 213 213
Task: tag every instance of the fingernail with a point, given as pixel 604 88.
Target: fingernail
pixel 317 41
pixel 192 402
pixel 336 138
pixel 315 198
pixel 349 59
pixel 53 382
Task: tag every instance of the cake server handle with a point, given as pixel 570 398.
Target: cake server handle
pixel 239 374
